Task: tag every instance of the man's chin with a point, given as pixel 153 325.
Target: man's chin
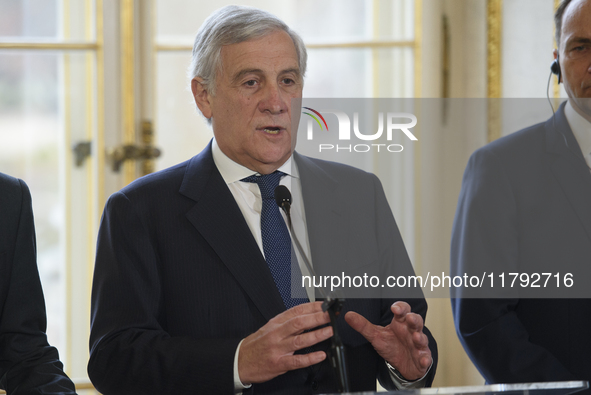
pixel 265 164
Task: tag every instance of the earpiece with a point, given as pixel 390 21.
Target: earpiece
pixel 555 67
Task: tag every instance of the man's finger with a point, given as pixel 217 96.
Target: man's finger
pixel 400 309
pixel 299 361
pixel 361 325
pixel 414 321
pixel 301 309
pixel 425 361
pixel 301 323
pixel 310 338
pixel 420 340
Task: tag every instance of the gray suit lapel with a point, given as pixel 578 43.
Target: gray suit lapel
pixel 325 214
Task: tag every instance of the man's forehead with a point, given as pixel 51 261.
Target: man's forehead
pixel 255 54
pixel 577 16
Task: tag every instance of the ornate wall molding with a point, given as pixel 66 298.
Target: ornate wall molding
pixel 494 22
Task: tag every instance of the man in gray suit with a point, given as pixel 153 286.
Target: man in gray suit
pixel 525 206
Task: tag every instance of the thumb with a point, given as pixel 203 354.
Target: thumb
pixel 361 325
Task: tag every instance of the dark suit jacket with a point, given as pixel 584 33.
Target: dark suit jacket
pixel 179 280
pixel 28 364
pixel 525 205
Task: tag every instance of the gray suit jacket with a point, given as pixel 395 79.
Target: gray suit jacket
pixel 525 206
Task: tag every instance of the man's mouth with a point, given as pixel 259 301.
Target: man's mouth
pixel 272 130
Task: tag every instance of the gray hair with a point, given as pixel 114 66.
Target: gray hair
pixel 232 25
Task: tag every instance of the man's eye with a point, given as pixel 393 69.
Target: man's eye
pixel 581 48
pixel 250 83
pixel 288 81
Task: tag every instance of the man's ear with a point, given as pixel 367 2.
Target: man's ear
pixel 557 61
pixel 201 96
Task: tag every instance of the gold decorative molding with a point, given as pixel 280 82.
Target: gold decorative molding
pixel 494 119
pixel 52 46
pixel 418 47
pixel 127 24
pixel 494 23
pixel 96 172
pixel 446 57
pixel 100 113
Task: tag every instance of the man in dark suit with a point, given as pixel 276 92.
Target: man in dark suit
pixel 525 207
pixel 28 364
pixel 183 298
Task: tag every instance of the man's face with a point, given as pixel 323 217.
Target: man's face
pixel 575 55
pixel 251 109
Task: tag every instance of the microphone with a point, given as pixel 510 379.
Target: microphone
pixel 333 303
pixel 283 200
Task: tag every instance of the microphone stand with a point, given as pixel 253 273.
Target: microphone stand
pixel 333 302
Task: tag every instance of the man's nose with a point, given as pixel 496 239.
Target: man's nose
pixel 273 100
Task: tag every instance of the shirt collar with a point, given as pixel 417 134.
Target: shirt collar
pixel 581 129
pixel 232 171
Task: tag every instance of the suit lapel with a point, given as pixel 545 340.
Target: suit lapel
pixel 569 167
pixel 219 220
pixel 326 221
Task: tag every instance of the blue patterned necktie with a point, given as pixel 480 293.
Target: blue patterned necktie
pixel 277 242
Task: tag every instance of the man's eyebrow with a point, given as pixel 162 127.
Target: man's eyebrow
pixel 244 72
pixel 578 40
pixel 293 70
pixel 238 76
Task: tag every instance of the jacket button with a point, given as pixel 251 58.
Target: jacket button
pixel 314 385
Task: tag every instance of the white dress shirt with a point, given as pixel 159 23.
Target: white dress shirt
pixel 581 129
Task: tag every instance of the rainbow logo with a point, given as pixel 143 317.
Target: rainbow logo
pixel 316 119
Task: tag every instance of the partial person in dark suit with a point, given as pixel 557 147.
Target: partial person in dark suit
pixel 183 300
pixel 525 205
pixel 28 364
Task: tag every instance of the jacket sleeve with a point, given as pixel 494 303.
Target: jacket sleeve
pixel 28 364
